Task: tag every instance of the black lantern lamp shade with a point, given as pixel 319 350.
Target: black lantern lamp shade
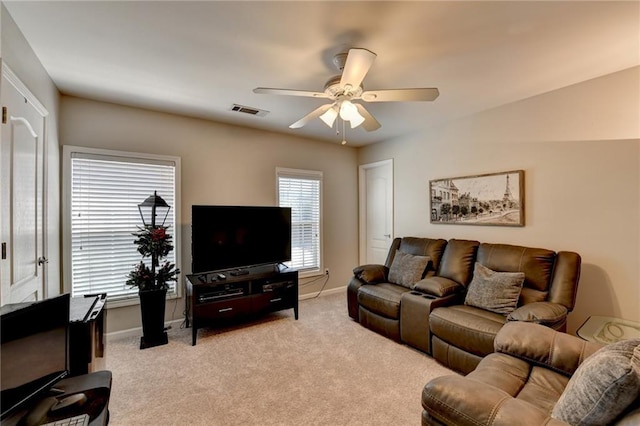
pixel 151 208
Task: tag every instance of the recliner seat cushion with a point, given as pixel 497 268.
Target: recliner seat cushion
pixel 536 385
pixel 466 327
pixel 501 390
pixel 382 299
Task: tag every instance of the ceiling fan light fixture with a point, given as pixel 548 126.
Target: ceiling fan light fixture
pixel 349 112
pixel 342 89
pixel 329 117
pixel 356 120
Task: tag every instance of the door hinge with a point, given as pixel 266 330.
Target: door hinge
pixel 4 115
pixel 4 251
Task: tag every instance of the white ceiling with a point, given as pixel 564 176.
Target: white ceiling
pixel 199 58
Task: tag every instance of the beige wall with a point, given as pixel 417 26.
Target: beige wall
pixel 223 164
pixel 18 55
pixel 580 150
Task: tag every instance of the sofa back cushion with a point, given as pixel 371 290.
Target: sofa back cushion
pixel 458 260
pixel 433 248
pixel 537 265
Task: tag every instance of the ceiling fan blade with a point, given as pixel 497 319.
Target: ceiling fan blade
pixel 289 92
pixel 356 67
pixel 313 114
pixel 370 123
pixel 403 95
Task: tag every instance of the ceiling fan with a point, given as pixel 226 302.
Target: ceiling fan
pixel 343 89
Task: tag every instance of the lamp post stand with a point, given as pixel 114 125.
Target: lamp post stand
pixel 153 302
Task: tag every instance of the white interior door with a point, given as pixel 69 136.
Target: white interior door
pixel 376 211
pixel 22 271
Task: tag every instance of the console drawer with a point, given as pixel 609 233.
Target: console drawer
pixel 223 309
pixel 273 300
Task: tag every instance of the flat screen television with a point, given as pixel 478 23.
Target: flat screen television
pixel 236 237
pixel 34 345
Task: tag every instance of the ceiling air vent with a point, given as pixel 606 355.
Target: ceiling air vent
pixel 249 110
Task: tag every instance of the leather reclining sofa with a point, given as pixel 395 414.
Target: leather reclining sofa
pixel 538 376
pixel 431 314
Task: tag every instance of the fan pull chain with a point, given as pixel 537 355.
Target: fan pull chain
pixel 344 134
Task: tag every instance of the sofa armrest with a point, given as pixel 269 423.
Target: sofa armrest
pixel 371 274
pixel 566 275
pixel 438 286
pixel 463 401
pixel 549 314
pixel 543 346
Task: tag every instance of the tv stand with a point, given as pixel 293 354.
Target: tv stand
pixel 260 290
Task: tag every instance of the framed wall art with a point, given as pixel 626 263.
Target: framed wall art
pixel 495 199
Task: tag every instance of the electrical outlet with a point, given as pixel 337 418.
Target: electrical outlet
pixel 326 271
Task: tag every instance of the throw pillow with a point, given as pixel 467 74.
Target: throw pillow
pixel 371 274
pixel 494 291
pixel 603 386
pixel 407 269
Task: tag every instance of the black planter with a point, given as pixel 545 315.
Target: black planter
pixel 152 304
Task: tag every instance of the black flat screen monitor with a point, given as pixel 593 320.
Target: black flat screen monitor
pixel 230 237
pixel 34 349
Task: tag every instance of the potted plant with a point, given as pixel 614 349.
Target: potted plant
pixel 154 242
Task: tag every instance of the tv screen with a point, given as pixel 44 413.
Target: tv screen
pixel 229 237
pixel 34 348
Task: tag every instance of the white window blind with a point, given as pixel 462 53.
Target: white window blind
pixel 105 191
pixel 302 191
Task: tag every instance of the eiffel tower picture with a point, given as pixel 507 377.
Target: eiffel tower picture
pixel 489 199
pixel 507 192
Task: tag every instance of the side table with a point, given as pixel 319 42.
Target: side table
pixel 87 326
pixel 607 330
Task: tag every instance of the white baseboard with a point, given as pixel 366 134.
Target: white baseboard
pixel 322 293
pixel 137 331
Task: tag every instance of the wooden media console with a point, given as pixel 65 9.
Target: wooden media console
pixel 216 297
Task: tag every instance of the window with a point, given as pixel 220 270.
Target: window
pixel 302 191
pixel 102 192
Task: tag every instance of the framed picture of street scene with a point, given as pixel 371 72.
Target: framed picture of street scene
pixel 495 199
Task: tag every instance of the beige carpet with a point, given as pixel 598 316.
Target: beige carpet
pixel 323 369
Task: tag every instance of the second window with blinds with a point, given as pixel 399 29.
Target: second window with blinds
pixel 302 191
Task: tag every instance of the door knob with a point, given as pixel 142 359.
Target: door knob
pixel 42 260
pixel 387 235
